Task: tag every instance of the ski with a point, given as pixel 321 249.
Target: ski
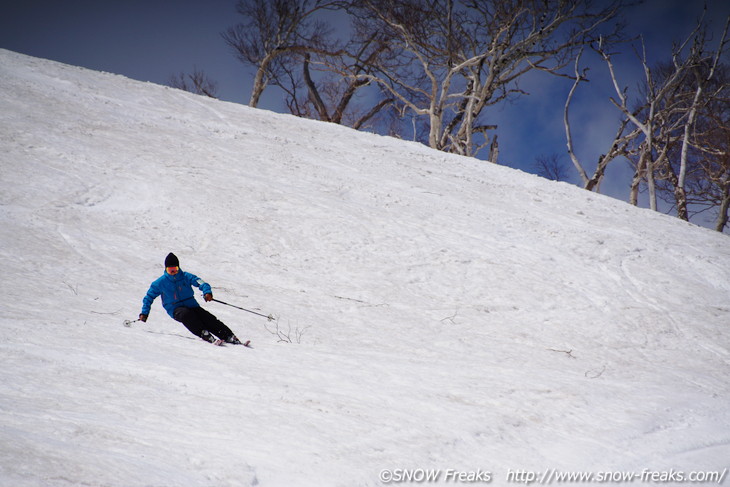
pixel 217 342
pixel 222 343
pixel 236 341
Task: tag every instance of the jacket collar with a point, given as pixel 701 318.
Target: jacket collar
pixel 174 278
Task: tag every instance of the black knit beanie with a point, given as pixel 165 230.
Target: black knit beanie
pixel 171 260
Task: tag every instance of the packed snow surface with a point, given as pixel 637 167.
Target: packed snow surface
pixel 444 313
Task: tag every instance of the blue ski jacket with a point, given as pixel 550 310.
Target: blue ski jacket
pixel 176 291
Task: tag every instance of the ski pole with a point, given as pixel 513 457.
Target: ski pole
pixel 270 318
pixel 128 323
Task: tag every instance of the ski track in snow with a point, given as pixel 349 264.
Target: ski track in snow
pixel 454 314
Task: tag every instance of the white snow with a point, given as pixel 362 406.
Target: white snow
pixel 456 314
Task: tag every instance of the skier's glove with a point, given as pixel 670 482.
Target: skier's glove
pixel 208 297
pixel 142 317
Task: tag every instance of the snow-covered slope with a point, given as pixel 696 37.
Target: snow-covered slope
pixel 456 314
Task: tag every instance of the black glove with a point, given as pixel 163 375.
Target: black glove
pixel 142 317
pixel 208 297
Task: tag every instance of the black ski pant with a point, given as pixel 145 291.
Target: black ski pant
pixel 199 319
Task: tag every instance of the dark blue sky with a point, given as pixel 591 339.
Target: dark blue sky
pixel 150 40
pixel 147 40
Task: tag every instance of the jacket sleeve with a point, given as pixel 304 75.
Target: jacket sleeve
pixel 199 283
pixel 149 298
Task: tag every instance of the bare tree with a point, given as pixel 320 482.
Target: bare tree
pixel 551 167
pixel 272 29
pixel 619 145
pixel 450 59
pixel 196 82
pixel 671 96
pixel 681 114
pixel 708 160
pixel 340 78
pixel 703 80
pixel 647 119
pixel 716 166
pixel 320 74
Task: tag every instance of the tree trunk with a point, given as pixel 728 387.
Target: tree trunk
pixel 313 92
pixel 595 181
pixel 493 150
pixel 260 81
pixel 634 194
pixel 435 130
pixel 258 88
pixel 651 184
pixel 680 196
pixel 722 216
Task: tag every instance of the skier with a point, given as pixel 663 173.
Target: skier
pixel 175 286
